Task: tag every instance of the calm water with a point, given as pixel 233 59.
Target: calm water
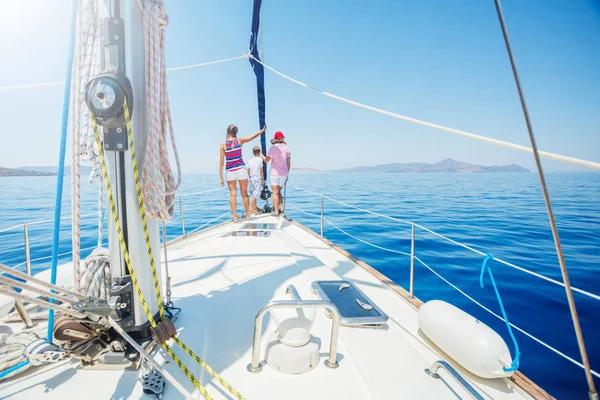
pixel 502 214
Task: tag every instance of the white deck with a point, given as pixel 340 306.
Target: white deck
pixel 220 282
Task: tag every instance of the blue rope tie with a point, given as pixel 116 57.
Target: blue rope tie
pixel 13 368
pixel 61 163
pixel 515 364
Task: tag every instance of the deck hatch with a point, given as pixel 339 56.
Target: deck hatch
pixel 355 307
pixel 254 225
pixel 250 233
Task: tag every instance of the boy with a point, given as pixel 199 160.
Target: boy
pixel 257 181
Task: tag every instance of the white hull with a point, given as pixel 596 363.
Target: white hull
pixel 221 281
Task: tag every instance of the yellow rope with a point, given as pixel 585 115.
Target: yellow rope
pixel 134 280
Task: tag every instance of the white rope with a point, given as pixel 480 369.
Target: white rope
pixel 563 355
pixel 552 156
pixel 202 192
pixel 454 287
pixel 49 257
pixel 356 208
pixel 207 63
pixel 511 265
pixel 508 264
pixel 60 83
pixel 210 222
pixel 95 277
pixel 86 65
pixel 364 241
pixel 41 221
pixel 305 212
pixel 158 181
pixel 12 351
pixel 11 228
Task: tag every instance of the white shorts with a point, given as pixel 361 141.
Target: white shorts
pixel 239 175
pixel 277 180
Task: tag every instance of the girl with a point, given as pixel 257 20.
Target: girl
pixel 231 151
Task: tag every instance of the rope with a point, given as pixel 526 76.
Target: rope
pixel 11 228
pixel 202 192
pixel 364 241
pixel 48 257
pixel 158 182
pixel 529 335
pixel 82 147
pixel 61 163
pixel 508 264
pixel 556 351
pixel 37 85
pixel 210 222
pixel 12 359
pixel 95 276
pixel 515 363
pixel 129 266
pixel 552 156
pixel 354 207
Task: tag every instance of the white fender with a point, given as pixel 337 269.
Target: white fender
pixel 470 342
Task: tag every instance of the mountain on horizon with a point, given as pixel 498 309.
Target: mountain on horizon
pixel 85 169
pixel 20 172
pixel 447 165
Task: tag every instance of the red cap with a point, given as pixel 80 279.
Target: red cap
pixel 278 135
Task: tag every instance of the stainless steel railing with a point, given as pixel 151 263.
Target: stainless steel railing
pixel 414 257
pixel 26 230
pixel 462 382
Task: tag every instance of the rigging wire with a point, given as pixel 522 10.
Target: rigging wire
pixel 561 260
pixel 183 67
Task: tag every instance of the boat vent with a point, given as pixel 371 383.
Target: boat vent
pixel 355 308
pixel 249 233
pixel 254 225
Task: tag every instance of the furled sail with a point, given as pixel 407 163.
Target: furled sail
pixel 259 71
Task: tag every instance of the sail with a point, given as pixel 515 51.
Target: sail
pixel 259 71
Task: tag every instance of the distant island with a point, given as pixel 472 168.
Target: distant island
pixel 40 171
pixel 307 171
pixel 22 172
pixel 448 165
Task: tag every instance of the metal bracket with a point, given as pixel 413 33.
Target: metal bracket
pixel 115 139
pixel 122 301
pixel 93 307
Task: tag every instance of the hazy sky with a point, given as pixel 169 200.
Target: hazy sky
pixel 439 60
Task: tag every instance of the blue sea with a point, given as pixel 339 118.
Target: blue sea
pixel 501 214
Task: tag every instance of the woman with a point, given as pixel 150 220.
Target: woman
pixel 280 155
pixel 231 151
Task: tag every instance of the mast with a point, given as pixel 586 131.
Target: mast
pixel 122 42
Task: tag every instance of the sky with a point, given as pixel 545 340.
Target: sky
pixel 442 61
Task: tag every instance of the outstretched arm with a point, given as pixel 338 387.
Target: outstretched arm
pixel 266 159
pixel 221 163
pixel 251 138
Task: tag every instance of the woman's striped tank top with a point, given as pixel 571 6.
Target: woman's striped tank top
pixel 233 155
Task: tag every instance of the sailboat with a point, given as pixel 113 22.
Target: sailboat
pixel 262 309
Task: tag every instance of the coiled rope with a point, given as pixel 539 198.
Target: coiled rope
pixel 12 358
pixel 158 181
pixel 95 277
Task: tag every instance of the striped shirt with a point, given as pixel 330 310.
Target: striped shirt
pixel 233 155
